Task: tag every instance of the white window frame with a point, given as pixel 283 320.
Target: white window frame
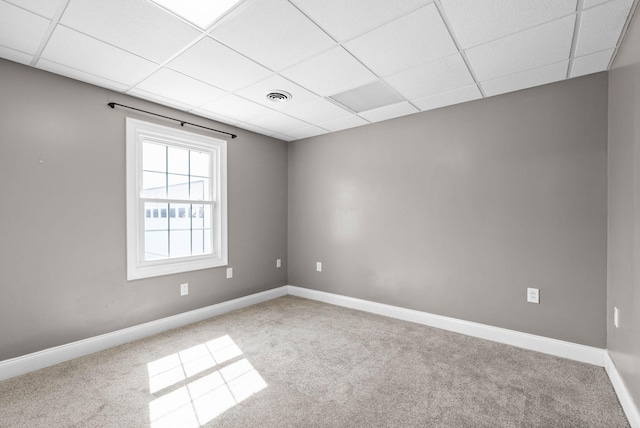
pixel 139 131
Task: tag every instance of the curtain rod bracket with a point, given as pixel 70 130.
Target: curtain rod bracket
pixel 182 122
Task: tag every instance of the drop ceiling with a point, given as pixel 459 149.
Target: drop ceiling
pixel 346 63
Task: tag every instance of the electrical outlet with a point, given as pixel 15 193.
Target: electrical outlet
pixel 278 263
pixel 229 273
pixel 318 266
pixel 184 289
pixel 616 317
pixel 533 295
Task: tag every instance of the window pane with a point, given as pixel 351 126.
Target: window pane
pixel 197 242
pixel 154 157
pixel 178 187
pixel 154 221
pixel 208 233
pixel 200 164
pixel 207 216
pixel 182 220
pixel 180 243
pixel 197 213
pixel 178 160
pixel 154 185
pixel 156 245
pixel 200 189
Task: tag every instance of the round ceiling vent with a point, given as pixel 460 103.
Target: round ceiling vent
pixel 278 96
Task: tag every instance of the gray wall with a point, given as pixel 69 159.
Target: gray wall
pixel 62 222
pixel 624 210
pixel 457 211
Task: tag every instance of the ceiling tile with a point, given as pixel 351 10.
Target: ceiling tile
pixel 343 123
pixel 46 8
pixel 601 26
pixel 136 26
pixel 62 70
pixel 199 12
pixel 95 57
pixel 389 112
pixel 256 129
pixel 279 122
pixel 258 92
pixel 214 116
pixel 476 22
pixel 356 16
pixel 434 77
pixel 159 99
pixel 367 97
pixel 329 73
pixel 21 30
pixel 240 109
pixel 406 42
pixel 456 96
pixel 317 111
pixel 283 137
pixel 591 63
pixel 538 46
pixel 591 3
pixel 218 65
pixel 526 79
pixel 309 131
pixel 178 87
pixel 274 33
pixel 15 56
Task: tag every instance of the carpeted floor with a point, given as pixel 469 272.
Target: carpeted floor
pixel 292 362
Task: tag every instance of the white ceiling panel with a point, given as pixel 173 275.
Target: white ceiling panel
pixel 95 57
pixel 63 70
pixel 45 8
pixel 343 123
pixel 258 92
pixel 283 137
pixel 15 56
pixel 213 116
pixel 309 131
pixel 180 88
pixel 591 3
pixel 136 26
pixel 355 16
pixel 404 43
pixel 389 112
pixel 199 12
pixel 21 30
pixel 238 108
pixel 591 63
pixel 159 99
pixel 526 79
pixel 329 73
pixel 479 21
pixel 273 33
pixel 601 26
pixel 456 96
pixel 218 65
pixel 256 129
pixel 428 79
pixel 538 46
pixel 317 111
pixel 279 122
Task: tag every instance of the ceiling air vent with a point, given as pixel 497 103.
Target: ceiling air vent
pixel 278 96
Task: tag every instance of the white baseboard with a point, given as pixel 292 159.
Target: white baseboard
pixel 630 408
pixel 51 356
pixel 573 351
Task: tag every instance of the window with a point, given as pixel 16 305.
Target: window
pixel 182 174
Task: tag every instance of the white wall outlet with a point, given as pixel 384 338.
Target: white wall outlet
pixel 616 317
pixel 278 263
pixel 184 289
pixel 229 273
pixel 533 295
pixel 318 266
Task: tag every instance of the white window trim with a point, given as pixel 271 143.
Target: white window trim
pixel 137 267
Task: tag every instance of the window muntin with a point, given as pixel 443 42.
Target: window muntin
pixel 176 200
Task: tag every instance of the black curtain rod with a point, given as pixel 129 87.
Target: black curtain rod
pixel 182 122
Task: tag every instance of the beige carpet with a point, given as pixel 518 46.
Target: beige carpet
pixel 293 362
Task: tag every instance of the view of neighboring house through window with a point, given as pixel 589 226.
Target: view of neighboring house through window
pixel 177 202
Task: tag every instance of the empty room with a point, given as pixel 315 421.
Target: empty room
pixel 299 213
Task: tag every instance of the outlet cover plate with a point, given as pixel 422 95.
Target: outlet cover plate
pixel 319 266
pixel 184 289
pixel 229 273
pixel 533 295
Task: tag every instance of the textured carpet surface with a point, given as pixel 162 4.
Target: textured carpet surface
pixel 292 362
